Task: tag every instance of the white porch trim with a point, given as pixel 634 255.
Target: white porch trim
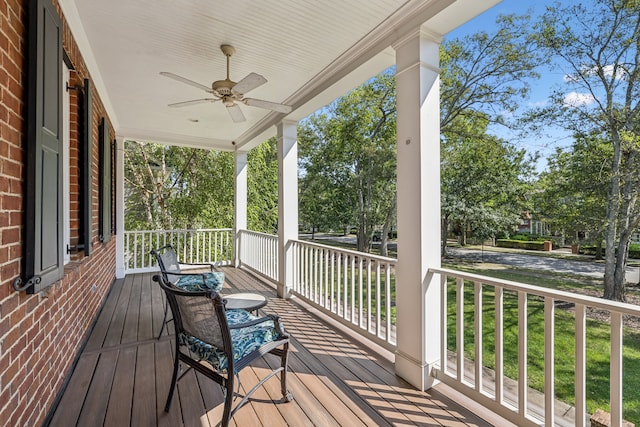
pixel 418 145
pixel 120 267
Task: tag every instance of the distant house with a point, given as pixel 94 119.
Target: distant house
pixel 533 226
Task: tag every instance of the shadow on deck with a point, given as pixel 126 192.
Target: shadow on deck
pixel 123 374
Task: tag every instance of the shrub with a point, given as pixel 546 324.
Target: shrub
pixel 634 250
pixel 518 244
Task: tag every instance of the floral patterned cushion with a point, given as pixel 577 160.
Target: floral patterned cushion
pixel 201 281
pixel 243 340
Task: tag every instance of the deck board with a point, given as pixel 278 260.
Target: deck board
pixel 123 376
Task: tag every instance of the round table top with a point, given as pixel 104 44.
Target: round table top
pixel 245 301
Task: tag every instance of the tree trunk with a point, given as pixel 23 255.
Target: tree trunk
pixel 384 237
pixel 613 206
pixel 599 249
pixel 443 231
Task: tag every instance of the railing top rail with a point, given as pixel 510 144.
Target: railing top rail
pixel 179 230
pixel 259 233
pixel 347 251
pixel 560 295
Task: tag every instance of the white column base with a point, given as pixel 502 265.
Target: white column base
pixel 414 372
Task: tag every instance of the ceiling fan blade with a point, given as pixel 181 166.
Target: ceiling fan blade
pixel 236 113
pixel 192 102
pixel 281 108
pixel 186 81
pixel 250 82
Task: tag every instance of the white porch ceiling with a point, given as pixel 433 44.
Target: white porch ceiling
pixel 309 51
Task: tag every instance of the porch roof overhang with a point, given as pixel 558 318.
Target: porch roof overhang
pixel 310 53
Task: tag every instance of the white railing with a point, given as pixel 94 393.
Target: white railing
pixel 355 288
pixel 259 253
pixel 475 310
pixel 192 246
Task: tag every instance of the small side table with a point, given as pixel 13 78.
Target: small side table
pixel 245 301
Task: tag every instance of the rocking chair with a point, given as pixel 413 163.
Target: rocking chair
pixel 227 340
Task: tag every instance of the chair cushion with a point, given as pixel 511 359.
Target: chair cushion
pixel 243 340
pixel 193 282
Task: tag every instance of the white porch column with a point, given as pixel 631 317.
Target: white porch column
pixel 287 202
pixel 418 134
pixel 240 205
pixel 120 270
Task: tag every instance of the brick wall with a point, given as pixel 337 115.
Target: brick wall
pixel 41 334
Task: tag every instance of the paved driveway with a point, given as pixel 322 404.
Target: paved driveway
pixel 587 268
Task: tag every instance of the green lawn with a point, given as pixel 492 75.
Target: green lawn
pixel 597 356
pixel 598 333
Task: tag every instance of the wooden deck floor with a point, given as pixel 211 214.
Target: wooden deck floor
pixel 122 377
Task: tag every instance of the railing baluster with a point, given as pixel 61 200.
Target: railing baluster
pixel 345 287
pixel 460 329
pixel 387 295
pixel 478 332
pixel 353 290
pixel 580 378
pixel 378 300
pixel 444 356
pixel 499 349
pixel 369 291
pixel 616 370
pixel 549 353
pixel 522 354
pixel 360 292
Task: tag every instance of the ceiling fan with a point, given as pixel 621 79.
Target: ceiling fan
pixel 229 92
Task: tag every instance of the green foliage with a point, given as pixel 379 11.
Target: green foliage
pixel 572 193
pixel 484 179
pixel 262 185
pixel 171 187
pixel 597 48
pixel 484 190
pixel 519 244
pixel 348 161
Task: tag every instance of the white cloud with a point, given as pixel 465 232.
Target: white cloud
pixel 575 99
pixel 539 104
pixel 621 73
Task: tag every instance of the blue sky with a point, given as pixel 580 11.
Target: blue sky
pixel 540 89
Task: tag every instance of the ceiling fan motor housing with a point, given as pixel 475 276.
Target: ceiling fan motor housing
pixel 223 87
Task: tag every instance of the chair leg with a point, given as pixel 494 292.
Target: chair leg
pixel 164 318
pixel 174 378
pixel 284 361
pixel 228 401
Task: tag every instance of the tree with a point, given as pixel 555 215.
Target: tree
pixel 598 50
pixel 348 159
pixel 483 189
pixel 170 187
pixel 488 73
pixel 262 177
pixel 483 78
pixel 572 193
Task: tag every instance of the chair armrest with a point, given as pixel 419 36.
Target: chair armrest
pixel 269 317
pixel 210 265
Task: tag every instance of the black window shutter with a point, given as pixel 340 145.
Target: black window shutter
pixel 43 261
pixel 87 158
pixel 105 181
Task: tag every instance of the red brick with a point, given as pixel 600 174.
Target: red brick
pixel 10 235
